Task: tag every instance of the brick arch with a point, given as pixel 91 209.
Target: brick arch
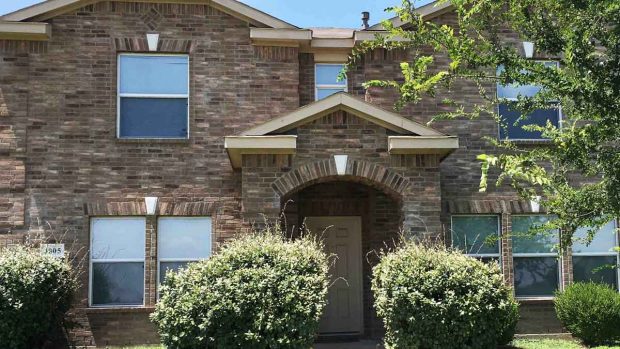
pixel 364 172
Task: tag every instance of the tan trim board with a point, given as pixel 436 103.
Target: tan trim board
pixel 361 36
pixel 52 8
pixel 343 101
pixel 25 31
pixel 272 34
pixel 422 145
pixel 332 43
pixel 237 146
pixel 428 11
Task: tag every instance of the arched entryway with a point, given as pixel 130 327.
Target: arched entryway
pixel 362 217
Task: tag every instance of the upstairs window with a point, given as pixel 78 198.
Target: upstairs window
pixel 326 80
pixel 477 236
pixel 597 260
pixel 153 96
pixel 513 123
pixel 536 266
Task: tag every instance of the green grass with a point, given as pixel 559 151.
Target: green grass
pixel 518 344
pixel 551 344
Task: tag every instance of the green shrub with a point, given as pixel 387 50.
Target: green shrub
pixel 35 293
pixel 260 291
pixel 432 298
pixel 591 312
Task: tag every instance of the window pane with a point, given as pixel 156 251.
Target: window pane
pixel 327 74
pixel 597 269
pixel 535 276
pixel 164 267
pixel 118 238
pixel 475 235
pixel 154 74
pixel 326 92
pixel 153 117
pixel 538 117
pixel 523 242
pixel 604 240
pixel 513 91
pixel 118 283
pixel 181 238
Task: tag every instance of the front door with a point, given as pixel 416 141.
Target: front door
pixel 343 238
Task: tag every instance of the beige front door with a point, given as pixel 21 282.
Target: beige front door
pixel 343 238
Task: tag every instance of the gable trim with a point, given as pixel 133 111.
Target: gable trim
pixel 52 8
pixel 352 105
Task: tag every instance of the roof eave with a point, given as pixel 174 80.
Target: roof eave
pixel 428 11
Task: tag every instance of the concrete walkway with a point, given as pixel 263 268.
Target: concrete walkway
pixel 349 345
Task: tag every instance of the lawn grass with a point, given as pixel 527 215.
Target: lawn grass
pixel 518 344
pixel 552 344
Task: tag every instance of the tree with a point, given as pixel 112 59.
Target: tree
pixel 578 173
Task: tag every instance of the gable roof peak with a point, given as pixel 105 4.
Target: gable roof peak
pixel 348 103
pixel 51 8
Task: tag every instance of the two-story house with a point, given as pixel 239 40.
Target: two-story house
pixel 144 133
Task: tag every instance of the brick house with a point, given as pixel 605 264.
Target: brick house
pixel 146 133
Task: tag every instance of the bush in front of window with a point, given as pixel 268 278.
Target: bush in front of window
pixel 591 312
pixel 259 291
pixel 35 293
pixel 433 298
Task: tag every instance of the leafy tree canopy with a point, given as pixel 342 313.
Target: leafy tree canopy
pixel 578 172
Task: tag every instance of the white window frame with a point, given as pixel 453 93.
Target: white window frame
pixel 148 95
pixel 189 260
pixel 318 86
pixel 123 260
pixel 603 254
pixel 499 129
pixel 558 256
pixel 497 255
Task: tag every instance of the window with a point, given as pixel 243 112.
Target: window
pixel 513 127
pixel 477 236
pixel 536 266
pixel 153 96
pixel 117 261
pixel 326 80
pixel 597 261
pixel 182 240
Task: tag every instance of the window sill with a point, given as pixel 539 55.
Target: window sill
pixel 116 310
pixel 535 300
pixel 153 140
pixel 545 142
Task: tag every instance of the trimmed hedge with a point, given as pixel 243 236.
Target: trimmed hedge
pixel 433 298
pixel 591 312
pixel 260 291
pixel 35 293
